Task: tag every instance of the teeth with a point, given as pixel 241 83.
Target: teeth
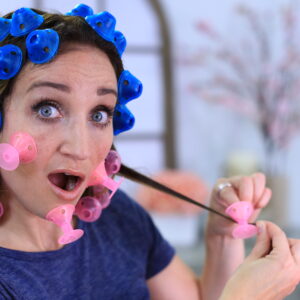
pixel 71 183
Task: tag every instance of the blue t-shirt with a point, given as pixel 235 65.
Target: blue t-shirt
pixel 113 260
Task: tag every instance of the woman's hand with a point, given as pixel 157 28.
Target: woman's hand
pixel 243 188
pixel 224 254
pixel 271 271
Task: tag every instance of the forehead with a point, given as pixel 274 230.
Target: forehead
pixel 74 62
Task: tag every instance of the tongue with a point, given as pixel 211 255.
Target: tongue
pixel 58 179
pixel 63 181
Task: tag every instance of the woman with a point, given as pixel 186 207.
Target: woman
pixel 70 99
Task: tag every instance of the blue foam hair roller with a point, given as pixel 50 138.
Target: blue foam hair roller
pixel 5 25
pixel 42 45
pixel 24 20
pixel 120 42
pixel 81 10
pixel 104 24
pixel 1 120
pixel 123 119
pixel 129 87
pixel 10 61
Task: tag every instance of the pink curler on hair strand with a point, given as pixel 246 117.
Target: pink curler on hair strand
pixel 100 176
pixel 241 212
pixel 62 217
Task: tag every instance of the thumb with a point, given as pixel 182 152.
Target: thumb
pixel 263 243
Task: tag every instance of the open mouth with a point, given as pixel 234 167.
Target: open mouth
pixel 65 181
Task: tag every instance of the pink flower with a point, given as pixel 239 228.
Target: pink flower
pixel 255 76
pixel 205 28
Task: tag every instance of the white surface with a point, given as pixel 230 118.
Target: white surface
pixel 147 156
pixel 137 20
pixel 147 109
pixel 8 6
pixel 65 6
pixel 179 230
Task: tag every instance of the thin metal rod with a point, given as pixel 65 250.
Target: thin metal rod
pixel 134 175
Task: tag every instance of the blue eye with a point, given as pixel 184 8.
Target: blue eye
pixel 100 117
pixel 48 111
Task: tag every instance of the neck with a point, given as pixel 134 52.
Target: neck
pixel 21 230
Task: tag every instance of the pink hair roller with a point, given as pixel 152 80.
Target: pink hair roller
pixel 99 176
pixel 88 209
pixel 62 217
pixel 112 162
pixel 22 149
pixel 102 195
pixel 241 212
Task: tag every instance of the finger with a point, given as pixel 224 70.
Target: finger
pixel 261 204
pixel 227 196
pixel 265 198
pixel 216 188
pixel 259 181
pixel 263 243
pixel 244 187
pixel 280 243
pixel 295 249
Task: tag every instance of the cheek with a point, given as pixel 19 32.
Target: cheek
pixel 46 141
pixel 25 191
pixel 101 149
pixel 16 118
pixel 20 184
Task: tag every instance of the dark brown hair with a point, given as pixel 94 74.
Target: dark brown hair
pixel 71 29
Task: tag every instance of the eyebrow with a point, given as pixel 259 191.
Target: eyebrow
pixel 64 88
pixel 57 86
pixel 105 91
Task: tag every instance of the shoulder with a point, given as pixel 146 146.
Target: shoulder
pixel 128 221
pixel 122 200
pixel 137 220
pixel 123 216
pixel 122 225
pixel 130 210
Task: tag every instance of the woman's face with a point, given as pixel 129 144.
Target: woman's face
pixel 66 106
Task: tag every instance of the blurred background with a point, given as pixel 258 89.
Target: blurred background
pixel 221 98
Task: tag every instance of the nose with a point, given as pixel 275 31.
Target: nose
pixel 76 141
